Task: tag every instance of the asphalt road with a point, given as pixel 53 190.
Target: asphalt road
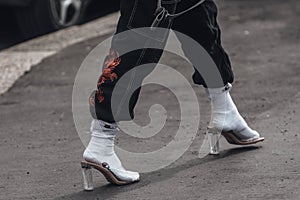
pixel 41 151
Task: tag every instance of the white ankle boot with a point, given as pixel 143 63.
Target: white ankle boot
pixel 100 155
pixel 226 120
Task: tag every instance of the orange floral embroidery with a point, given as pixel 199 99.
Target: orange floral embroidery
pixel 100 96
pixel 110 63
pixel 113 59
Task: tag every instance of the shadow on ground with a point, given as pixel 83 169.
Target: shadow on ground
pixel 110 190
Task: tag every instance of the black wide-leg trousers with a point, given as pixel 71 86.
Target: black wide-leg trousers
pixel 200 24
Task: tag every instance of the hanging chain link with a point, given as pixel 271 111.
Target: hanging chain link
pixel 162 13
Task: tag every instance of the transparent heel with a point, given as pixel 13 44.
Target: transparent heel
pixel 214 145
pixel 87 178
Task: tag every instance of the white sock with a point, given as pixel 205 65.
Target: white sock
pixel 225 115
pixel 101 149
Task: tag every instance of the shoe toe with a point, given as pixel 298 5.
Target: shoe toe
pixel 125 175
pixel 249 134
pixel 133 176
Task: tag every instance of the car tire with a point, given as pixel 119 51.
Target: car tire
pixel 43 16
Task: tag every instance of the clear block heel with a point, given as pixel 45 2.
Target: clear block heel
pixel 214 137
pixel 214 146
pixel 87 177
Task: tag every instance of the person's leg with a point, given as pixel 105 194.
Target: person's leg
pixel 134 14
pixel 202 26
pixel 107 111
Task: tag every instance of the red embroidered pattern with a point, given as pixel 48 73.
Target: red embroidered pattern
pixel 110 63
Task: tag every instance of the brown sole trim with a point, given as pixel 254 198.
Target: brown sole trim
pixel 232 139
pixel 110 177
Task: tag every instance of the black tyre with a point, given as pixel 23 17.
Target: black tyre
pixel 44 16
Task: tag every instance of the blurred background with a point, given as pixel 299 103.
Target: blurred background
pixel 21 20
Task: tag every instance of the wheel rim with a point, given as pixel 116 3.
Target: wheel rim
pixel 66 12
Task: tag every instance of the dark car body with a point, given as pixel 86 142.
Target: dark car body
pixel 14 2
pixel 37 17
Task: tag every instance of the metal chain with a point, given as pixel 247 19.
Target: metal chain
pixel 162 13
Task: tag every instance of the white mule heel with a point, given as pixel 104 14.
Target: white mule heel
pixel 214 136
pixel 114 176
pixel 100 155
pixel 227 121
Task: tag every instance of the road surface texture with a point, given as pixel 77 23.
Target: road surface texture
pixel 41 151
